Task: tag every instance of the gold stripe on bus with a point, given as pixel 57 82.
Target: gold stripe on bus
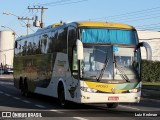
pixel 104 87
pixel 101 86
pixel 104 25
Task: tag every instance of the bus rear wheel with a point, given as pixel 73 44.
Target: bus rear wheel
pixel 112 105
pixel 24 89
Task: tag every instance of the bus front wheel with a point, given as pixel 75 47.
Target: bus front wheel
pixel 61 97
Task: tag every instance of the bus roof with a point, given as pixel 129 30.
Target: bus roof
pixel 104 25
pixel 82 24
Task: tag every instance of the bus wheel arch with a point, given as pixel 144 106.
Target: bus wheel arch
pixel 61 95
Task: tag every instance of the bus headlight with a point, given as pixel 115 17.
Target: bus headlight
pixel 135 90
pixel 86 89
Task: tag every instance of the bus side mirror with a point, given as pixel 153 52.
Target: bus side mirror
pixel 16 44
pixel 79 50
pixel 148 49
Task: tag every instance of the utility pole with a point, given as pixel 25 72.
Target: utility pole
pixel 42 14
pixel 22 18
pixel 28 24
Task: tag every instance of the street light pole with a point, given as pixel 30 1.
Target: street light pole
pixel 27 24
pixel 8 13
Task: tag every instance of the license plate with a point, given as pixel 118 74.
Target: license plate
pixel 113 98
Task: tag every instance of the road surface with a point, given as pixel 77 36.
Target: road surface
pixel 40 107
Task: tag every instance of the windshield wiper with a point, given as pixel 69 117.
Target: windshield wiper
pixel 122 74
pixel 103 69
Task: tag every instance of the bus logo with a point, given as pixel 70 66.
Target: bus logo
pixel 6 114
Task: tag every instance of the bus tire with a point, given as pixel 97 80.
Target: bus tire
pixel 24 90
pixel 61 96
pixel 20 83
pixel 112 105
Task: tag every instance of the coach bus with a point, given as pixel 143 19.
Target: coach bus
pixel 81 62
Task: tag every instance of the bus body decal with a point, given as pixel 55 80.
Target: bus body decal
pixel 104 87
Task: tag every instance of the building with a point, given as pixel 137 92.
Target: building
pixel 153 39
pixel 7 38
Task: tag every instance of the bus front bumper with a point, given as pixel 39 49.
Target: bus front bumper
pixel 87 97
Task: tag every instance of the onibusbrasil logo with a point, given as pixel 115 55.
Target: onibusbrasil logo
pixel 21 114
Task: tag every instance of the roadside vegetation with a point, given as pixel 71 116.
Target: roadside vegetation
pixel 151 79
pixel 150 75
pixel 151 71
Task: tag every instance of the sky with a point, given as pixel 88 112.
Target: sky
pixel 142 14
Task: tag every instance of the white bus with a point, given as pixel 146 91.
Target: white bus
pixel 82 62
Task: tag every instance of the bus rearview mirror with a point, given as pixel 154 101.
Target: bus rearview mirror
pixel 148 49
pixel 79 50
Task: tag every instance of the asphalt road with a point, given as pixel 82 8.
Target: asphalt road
pixel 46 108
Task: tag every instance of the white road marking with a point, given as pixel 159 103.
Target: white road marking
pixel 41 106
pixel 1 92
pixel 17 98
pixel 80 118
pixel 7 83
pixel 7 94
pixel 26 101
pixel 129 107
pixel 72 110
pixel 57 111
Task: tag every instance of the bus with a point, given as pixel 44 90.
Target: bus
pixel 81 62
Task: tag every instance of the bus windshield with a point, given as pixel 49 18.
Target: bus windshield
pixel 105 62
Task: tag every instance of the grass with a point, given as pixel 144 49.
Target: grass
pixel 150 83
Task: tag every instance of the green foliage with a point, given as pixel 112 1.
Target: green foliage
pixel 150 71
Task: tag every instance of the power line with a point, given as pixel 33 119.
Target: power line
pixel 145 14
pixel 154 26
pixel 140 15
pixel 131 18
pixel 137 17
pixel 128 13
pixel 146 18
pixel 148 25
pixel 146 29
pixel 65 3
pixel 56 2
pixel 150 28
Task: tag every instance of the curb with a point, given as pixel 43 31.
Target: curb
pixel 151 100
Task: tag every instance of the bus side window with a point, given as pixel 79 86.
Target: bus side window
pixel 17 48
pixel 24 47
pixel 44 42
pixel 30 46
